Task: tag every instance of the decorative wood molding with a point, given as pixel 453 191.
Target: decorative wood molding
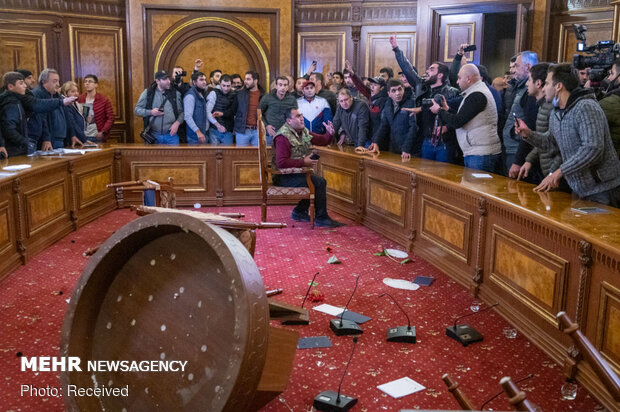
pixel 585 258
pixel 344 13
pixel 608 326
pixel 482 217
pixel 562 5
pixel 104 8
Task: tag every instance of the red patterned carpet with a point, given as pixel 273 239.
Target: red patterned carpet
pixel 33 304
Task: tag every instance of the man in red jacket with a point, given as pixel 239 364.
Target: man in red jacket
pixel 97 111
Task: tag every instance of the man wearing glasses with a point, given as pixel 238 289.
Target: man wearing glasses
pixel 97 111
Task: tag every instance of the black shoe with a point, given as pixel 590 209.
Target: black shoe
pixel 327 222
pixel 300 217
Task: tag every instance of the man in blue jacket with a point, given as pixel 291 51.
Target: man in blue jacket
pixel 58 126
pixel 396 123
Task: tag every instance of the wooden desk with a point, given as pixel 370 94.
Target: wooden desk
pixel 527 250
pixel 504 242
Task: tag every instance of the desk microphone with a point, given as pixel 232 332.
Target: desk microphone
pixel 331 401
pixel 404 334
pixel 465 334
pixel 290 314
pixel 346 327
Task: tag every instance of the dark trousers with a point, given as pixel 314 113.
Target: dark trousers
pixel 299 180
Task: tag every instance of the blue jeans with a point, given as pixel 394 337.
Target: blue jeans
pixel 248 138
pixel 487 163
pixel 440 153
pixel 216 137
pixel 192 139
pixel 167 139
pixel 58 143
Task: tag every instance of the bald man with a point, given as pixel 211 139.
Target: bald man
pixel 475 122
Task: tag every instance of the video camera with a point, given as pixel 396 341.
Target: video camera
pixel 600 57
pixel 427 103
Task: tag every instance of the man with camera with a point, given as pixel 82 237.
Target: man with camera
pixel 611 103
pixel 475 122
pixel 438 142
pixel 292 150
pixel 177 80
pixel 162 110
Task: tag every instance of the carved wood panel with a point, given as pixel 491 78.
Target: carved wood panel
pixel 447 226
pixel 608 328
pixel 23 49
pixel 186 175
pixel 458 29
pixel 99 50
pixel 378 50
pixel 327 48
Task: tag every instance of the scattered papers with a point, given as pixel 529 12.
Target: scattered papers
pixel 15 168
pixel 329 309
pixel 398 254
pixel 400 284
pixel 482 175
pixel 333 260
pixel 588 210
pixel 355 317
pixel 314 342
pixel 5 174
pixel 401 387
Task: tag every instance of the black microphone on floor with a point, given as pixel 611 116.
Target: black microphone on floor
pixel 404 334
pixel 331 401
pixel 309 287
pixel 465 334
pixel 346 327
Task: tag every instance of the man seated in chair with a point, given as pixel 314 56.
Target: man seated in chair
pixel 292 150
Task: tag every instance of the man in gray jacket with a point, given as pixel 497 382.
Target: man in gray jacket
pixel 161 107
pixel 352 120
pixel 590 163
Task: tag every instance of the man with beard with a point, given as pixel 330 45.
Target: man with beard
pixel 590 164
pixel 161 107
pixel 214 80
pixel 349 84
pixel 220 112
pixel 611 104
pixel 244 106
pixel 195 109
pixel 438 142
pixel 396 124
pixel 237 81
pixel 292 150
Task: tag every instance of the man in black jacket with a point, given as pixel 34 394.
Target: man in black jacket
pixel 245 105
pixel 58 126
pixel 12 116
pixel 396 122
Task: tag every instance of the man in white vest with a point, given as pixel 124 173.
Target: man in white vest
pixel 475 122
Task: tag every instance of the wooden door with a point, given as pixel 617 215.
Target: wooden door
pixel 456 29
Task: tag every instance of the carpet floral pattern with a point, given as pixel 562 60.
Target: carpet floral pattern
pixel 33 303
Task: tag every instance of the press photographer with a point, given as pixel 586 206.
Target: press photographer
pixel 177 80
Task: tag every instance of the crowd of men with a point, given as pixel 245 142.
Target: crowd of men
pixel 538 122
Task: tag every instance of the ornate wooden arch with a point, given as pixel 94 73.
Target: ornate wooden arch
pixel 185 32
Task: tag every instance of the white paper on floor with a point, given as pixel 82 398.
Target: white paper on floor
pixel 398 254
pixel 329 309
pixel 401 387
pixel 401 284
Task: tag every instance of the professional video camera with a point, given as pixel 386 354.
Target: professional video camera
pixel 600 57
pixel 427 103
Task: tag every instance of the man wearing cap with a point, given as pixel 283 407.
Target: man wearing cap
pixel 29 79
pixel 161 107
pixel 376 96
pixel 315 109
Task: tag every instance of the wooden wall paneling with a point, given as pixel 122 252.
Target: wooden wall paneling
pixel 46 206
pixel 100 49
pixel 90 175
pixel 608 327
pixel 458 29
pixel 447 230
pixel 616 29
pixel 376 48
pixel 23 49
pixel 326 47
pixel 240 177
pixel 600 27
pixel 344 184
pixel 9 255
